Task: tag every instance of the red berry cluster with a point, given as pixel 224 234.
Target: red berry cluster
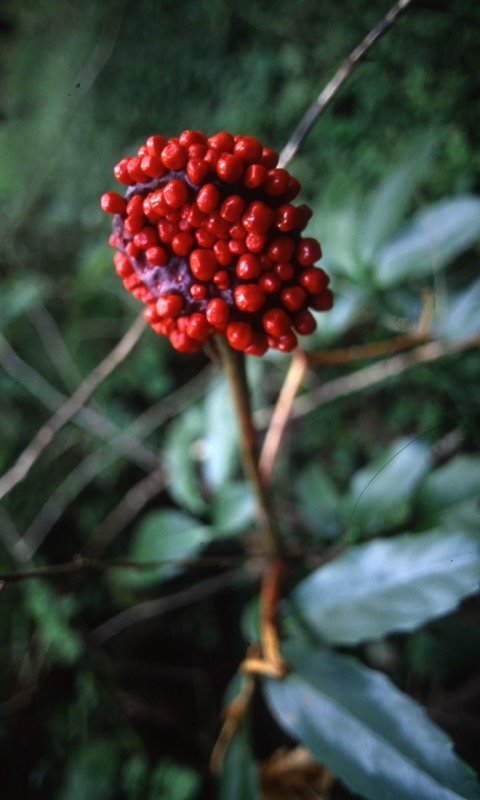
pixel 207 237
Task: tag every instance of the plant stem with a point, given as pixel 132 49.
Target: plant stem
pixel 234 366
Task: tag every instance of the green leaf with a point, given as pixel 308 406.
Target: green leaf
pixel 220 436
pixel 164 535
pixel 318 502
pixel 378 741
pixel 389 585
pixel 233 508
pixel 182 467
pixel 388 204
pixel 431 241
pixel 238 780
pixel 447 486
pixel 380 495
pixel 52 613
pixel 173 781
pixel 462 317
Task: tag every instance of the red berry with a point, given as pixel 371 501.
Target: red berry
pixel 188 138
pixel 255 176
pixel 174 156
pixel 269 158
pixel 113 203
pixel 248 266
pixel 285 271
pixel 152 166
pixel 198 327
pixel 222 141
pixel 121 173
pixel 197 169
pixel 232 208
pixel 175 193
pixel 157 256
pixel 239 335
pixel 169 305
pixel 203 264
pixel 255 242
pixel 198 291
pixel 249 297
pixel 308 251
pixel 258 217
pixel 293 297
pixel 323 302
pixel 314 280
pixel 135 171
pixel 248 149
pixel 277 181
pixel 218 313
pixel 281 249
pixel 145 238
pixel 229 168
pixel 182 243
pixel 155 145
pixel 286 218
pixel 207 198
pixel 276 322
pixel 304 322
pixel 223 253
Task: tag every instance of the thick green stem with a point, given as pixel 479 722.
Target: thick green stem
pixel 234 366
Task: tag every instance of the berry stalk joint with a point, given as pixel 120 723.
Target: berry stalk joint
pixel 208 238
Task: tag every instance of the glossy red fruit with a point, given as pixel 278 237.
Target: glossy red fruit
pixel 209 240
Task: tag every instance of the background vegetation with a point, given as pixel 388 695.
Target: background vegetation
pixel 128 706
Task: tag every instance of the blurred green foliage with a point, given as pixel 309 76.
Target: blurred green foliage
pixel 393 173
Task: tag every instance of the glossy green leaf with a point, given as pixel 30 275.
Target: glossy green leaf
pixel 378 741
pixel 233 508
pixel 388 204
pixel 91 772
pixel 318 502
pixel 448 485
pixel 433 239
pixel 380 495
pixel 166 535
pixel 389 585
pixel 462 317
pixel 180 461
pixel 238 780
pixel 220 436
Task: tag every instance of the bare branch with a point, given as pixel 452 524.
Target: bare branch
pixel 47 432
pixel 326 96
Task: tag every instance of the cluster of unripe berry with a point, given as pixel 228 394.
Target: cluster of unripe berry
pixel 207 237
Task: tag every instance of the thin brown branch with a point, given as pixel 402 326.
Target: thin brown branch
pixel 375 374
pixel 326 96
pixel 126 511
pixel 234 366
pixel 163 605
pixel 84 564
pixel 89 420
pixel 281 414
pixel 48 431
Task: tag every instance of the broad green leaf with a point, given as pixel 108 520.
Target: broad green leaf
pixel 351 304
pixel 462 317
pixel 233 508
pixel 447 486
pixel 318 502
pixel 389 202
pixel 389 585
pixel 164 535
pixel 378 741
pixel 220 436
pixel 179 450
pixel 431 241
pixel 238 780
pixel 380 494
